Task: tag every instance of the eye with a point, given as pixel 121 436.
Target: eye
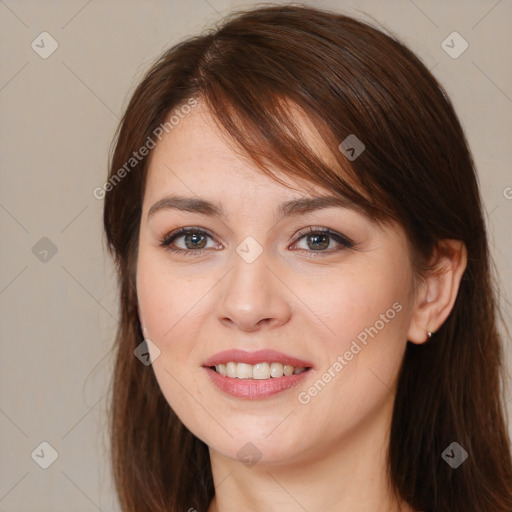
pixel 193 240
pixel 318 240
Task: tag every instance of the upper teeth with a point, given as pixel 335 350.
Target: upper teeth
pixel 256 371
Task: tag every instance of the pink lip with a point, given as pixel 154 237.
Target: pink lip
pixel 260 356
pixel 254 389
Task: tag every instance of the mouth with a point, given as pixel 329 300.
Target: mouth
pixel 255 375
pixel 259 371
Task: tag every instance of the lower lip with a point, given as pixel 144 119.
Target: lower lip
pixel 254 389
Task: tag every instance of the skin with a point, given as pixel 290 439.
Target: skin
pixel 328 454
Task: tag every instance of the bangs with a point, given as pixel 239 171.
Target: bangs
pixel 287 133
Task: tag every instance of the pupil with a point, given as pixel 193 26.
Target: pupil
pixel 324 242
pixel 194 238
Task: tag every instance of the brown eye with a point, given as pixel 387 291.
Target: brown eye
pixel 320 239
pixel 188 241
pixel 195 241
pixel 318 242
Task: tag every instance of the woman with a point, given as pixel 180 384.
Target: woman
pixel 296 223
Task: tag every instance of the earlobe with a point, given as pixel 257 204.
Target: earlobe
pixel 438 290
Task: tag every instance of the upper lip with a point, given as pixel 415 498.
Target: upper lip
pixel 259 356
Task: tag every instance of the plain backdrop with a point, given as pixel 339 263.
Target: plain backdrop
pixel 59 112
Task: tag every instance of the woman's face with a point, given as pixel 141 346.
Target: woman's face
pixel 256 276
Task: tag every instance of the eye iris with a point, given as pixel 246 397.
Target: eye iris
pixel 321 241
pixel 194 238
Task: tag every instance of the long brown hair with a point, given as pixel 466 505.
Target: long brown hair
pixel 350 79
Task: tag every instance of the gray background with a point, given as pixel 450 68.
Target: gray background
pixel 58 116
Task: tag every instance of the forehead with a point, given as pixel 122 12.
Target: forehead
pixel 196 154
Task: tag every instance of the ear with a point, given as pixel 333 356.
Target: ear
pixel 438 290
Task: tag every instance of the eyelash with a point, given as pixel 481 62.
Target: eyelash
pixel 345 242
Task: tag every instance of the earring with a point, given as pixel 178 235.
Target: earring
pixel 429 334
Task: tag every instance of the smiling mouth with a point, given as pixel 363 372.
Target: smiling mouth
pixel 259 371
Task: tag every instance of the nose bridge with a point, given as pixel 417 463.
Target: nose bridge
pixel 252 295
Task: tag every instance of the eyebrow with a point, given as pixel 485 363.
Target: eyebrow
pixel 293 207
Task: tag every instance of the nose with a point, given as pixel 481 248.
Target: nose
pixel 253 297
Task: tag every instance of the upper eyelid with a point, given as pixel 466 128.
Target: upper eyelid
pixel 177 233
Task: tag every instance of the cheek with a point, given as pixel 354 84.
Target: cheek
pixel 169 306
pixel 168 301
pixel 366 313
pixel 351 301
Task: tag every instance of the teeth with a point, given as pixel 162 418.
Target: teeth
pixel 260 371
pixel 276 370
pixel 231 370
pixel 288 370
pixel 243 371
